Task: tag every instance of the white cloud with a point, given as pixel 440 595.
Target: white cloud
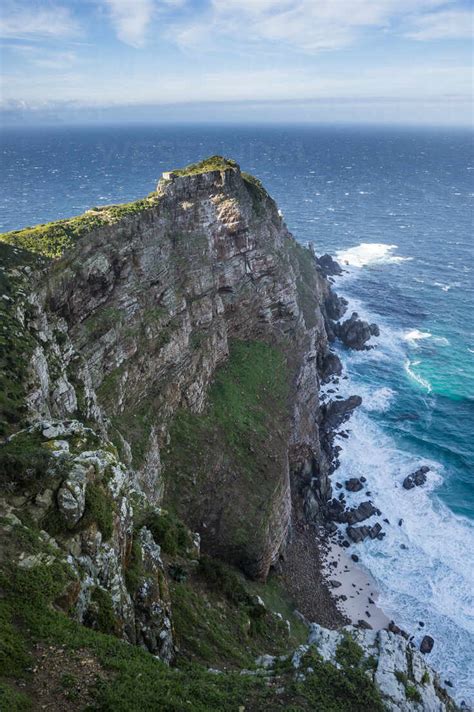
pixel 131 19
pixel 22 20
pixel 307 25
pixel 448 24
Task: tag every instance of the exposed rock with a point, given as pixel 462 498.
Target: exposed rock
pixel 358 534
pixel 354 332
pixel 416 479
pixel 354 484
pixel 71 495
pixel 426 645
pixel 337 412
pixel 328 265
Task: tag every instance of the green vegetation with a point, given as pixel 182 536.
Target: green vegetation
pixel 213 163
pixel 425 680
pixel 257 192
pixel 24 462
pixel 101 614
pixel 16 342
pixel 53 239
pixel 237 442
pixel 411 692
pixel 99 510
pixel 169 532
pixel 303 260
pixel 327 689
pixel 349 653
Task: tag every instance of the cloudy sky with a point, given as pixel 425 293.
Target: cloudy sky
pixel 403 61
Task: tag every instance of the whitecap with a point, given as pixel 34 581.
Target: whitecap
pixel 416 335
pixel 370 253
pixel 408 365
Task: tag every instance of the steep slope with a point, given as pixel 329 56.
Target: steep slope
pixel 161 364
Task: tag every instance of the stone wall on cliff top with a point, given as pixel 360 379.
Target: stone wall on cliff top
pixel 133 320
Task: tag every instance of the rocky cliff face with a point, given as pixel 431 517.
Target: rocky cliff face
pixel 160 413
pixel 170 357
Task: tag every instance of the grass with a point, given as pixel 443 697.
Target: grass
pixel 231 457
pixel 213 163
pixel 54 238
pixel 16 342
pixel 305 281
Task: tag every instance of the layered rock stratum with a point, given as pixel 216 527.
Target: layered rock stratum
pixel 161 366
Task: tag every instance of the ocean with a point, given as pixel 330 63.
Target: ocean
pixel 396 208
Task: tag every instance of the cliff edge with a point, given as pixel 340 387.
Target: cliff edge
pixel 161 365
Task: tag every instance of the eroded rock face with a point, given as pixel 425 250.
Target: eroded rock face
pixel 146 310
pixel 406 683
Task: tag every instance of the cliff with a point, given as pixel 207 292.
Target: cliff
pixel 161 365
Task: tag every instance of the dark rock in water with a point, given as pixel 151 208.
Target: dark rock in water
pixel 358 534
pixel 353 485
pixel 375 530
pixel 403 546
pixel 426 645
pixel 345 544
pixel 363 511
pixel 354 332
pixel 330 365
pixel 328 265
pixel 344 434
pixel 363 479
pixel 337 412
pixel 335 307
pixel 355 558
pixel 393 628
pixel 416 479
pixel 400 522
pixel 421 624
pixel 338 485
pixel 448 683
pixel 387 521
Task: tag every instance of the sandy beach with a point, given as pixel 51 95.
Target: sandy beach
pixel 352 588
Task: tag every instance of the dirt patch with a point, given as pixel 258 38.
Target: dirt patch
pixel 61 679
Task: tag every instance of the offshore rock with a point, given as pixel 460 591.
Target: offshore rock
pixel 416 479
pixel 354 332
pixel 328 265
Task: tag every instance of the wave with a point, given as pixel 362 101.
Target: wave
pixel 420 567
pixel 408 365
pixel 416 335
pixel 370 253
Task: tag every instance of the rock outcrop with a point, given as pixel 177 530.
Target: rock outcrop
pixel 188 331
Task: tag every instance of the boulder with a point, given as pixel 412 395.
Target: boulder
pixel 354 332
pixel 330 365
pixel 353 485
pixel 71 496
pixel 328 265
pixel 337 412
pixel 426 645
pixel 416 479
pixel 363 511
pixel 335 306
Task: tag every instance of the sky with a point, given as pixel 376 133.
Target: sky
pixel 242 61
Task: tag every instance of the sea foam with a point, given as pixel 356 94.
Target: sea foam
pixel 370 253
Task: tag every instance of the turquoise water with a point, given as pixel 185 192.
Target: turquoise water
pixel 396 206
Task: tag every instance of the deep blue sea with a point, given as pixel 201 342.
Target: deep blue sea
pixel 396 207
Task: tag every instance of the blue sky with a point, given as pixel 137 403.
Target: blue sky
pixel 388 61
